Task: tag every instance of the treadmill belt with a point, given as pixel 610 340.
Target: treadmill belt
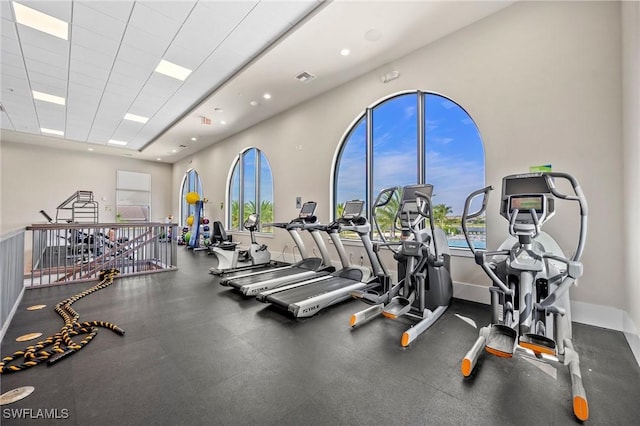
pixel 297 294
pixel 267 275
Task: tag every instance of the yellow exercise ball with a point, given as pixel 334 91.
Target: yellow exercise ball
pixel 192 197
pixel 190 220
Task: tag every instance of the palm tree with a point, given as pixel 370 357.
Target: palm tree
pixel 266 214
pixel 235 214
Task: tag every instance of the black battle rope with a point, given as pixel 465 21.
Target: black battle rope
pixel 62 342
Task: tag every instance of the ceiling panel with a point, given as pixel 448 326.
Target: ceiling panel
pixel 58 70
pixel 12 65
pixel 98 73
pixel 59 59
pixel 96 22
pixel 154 22
pixel 98 43
pixel 120 9
pixel 6 11
pixel 142 40
pixel 45 80
pixel 81 54
pixel 133 57
pixel 176 10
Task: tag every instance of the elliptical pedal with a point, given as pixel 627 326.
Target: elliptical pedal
pixel 538 344
pixel 397 307
pixel 501 341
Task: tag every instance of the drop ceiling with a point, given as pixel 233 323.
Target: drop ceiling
pixel 237 51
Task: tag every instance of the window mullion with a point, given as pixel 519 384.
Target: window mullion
pixel 369 168
pixel 422 178
pixel 257 183
pixel 240 189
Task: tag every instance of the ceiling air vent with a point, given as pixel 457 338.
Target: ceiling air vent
pixel 183 146
pixel 305 77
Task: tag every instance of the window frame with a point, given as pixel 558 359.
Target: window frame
pixel 239 162
pixel 421 158
pixel 190 209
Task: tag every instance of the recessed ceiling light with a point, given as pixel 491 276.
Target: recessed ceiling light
pixel 90 149
pixel 194 139
pixel 267 96
pixel 174 150
pixel 48 98
pixel 253 103
pixel 345 52
pixel 115 142
pixel 159 159
pixel 41 21
pixel 52 132
pixel 223 122
pixel 172 70
pixel 137 118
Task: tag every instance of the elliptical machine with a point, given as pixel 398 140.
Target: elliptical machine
pixel 424 288
pixel 531 278
pixel 228 259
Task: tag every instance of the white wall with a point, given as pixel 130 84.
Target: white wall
pixel 631 136
pixel 541 91
pixel 36 178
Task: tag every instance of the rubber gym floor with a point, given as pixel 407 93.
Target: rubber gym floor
pixel 197 353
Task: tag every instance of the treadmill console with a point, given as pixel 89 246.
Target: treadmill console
pixel 308 209
pixel 352 210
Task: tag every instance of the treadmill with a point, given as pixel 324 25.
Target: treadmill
pixel 307 298
pixel 251 284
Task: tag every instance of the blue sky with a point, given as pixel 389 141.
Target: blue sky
pixel 266 178
pixel 455 154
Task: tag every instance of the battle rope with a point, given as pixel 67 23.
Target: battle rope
pixel 62 342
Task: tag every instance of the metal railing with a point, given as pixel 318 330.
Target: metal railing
pixel 64 253
pixel 11 275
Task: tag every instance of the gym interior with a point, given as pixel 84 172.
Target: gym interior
pixel 551 86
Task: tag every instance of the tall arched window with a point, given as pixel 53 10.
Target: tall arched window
pixel 250 190
pixel 407 138
pixel 190 183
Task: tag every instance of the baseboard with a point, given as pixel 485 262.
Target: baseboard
pixel 632 333
pixel 14 309
pixel 472 292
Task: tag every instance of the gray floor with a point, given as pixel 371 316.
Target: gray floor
pixel 195 352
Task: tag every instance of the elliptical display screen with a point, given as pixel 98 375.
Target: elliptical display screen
pixel 409 191
pixel 526 185
pixel 352 209
pixel 526 203
pixel 307 210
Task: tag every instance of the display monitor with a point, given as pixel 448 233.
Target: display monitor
pixel 527 203
pixel 525 184
pixel 352 209
pixel 409 191
pixel 308 209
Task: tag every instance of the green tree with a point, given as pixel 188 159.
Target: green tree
pixel 443 221
pixel 235 214
pixel 266 215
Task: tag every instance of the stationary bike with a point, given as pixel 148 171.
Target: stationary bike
pixel 531 278
pixel 229 259
pixel 424 289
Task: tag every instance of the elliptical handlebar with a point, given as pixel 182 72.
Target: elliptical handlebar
pixel 579 197
pixel 465 213
pixel 381 202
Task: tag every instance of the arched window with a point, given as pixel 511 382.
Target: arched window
pixel 407 138
pixel 190 183
pixel 250 190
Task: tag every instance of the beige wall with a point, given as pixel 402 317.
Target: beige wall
pixel 36 178
pixel 541 91
pixel 631 127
